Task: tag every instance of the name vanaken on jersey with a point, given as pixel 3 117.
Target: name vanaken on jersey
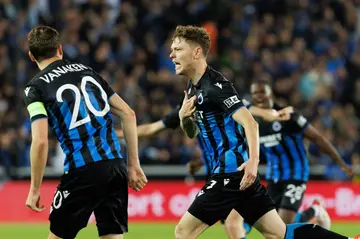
pixel 77 108
pixel 57 72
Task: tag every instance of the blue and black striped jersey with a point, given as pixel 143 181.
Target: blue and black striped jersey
pixel 281 144
pixel 222 139
pixel 76 102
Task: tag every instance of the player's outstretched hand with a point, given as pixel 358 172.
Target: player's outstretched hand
pixel 33 201
pixel 137 178
pixel 250 173
pixel 348 170
pixel 188 106
pixel 194 165
pixel 285 113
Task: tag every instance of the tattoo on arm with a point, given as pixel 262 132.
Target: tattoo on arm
pixel 189 127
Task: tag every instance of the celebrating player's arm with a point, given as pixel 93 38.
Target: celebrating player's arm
pixel 145 130
pixel 272 114
pixel 269 114
pixel 325 145
pixel 170 121
pixel 137 178
pixel 188 108
pixel 194 165
pixel 227 98
pixel 39 145
pixel 191 129
pixel 186 116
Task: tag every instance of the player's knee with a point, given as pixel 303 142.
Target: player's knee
pixel 233 227
pixel 181 232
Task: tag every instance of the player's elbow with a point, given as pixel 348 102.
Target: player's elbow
pixel 39 143
pixel 252 124
pixel 129 114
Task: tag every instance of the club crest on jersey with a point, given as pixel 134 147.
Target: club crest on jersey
pixel 200 99
pixel 276 126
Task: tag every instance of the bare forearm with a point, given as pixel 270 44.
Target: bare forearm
pixel 130 134
pixel 266 114
pixel 189 127
pixel 147 130
pixel 244 118
pixel 38 159
pixel 263 113
pixel 252 137
pixel 144 130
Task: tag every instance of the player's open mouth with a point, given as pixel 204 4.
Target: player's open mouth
pixel 259 101
pixel 176 64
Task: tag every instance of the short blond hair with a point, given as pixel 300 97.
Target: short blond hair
pixel 197 35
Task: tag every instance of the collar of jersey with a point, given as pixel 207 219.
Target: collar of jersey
pixel 204 76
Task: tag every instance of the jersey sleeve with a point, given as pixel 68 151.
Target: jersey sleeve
pixel 34 103
pixel 225 96
pixel 298 121
pixel 172 120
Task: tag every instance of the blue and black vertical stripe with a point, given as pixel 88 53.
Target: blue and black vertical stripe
pixel 224 139
pixel 90 142
pixel 287 160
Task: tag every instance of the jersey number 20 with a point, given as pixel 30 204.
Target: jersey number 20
pixel 78 99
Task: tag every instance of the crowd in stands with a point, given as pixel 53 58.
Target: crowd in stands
pixel 308 50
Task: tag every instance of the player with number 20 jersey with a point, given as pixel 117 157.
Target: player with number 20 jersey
pixel 75 101
pixel 77 104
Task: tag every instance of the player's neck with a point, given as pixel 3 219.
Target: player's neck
pixel 44 63
pixel 197 72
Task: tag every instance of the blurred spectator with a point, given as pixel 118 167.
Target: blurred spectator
pixel 308 50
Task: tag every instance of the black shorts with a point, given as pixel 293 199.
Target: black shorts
pixel 287 194
pixel 100 187
pixel 221 194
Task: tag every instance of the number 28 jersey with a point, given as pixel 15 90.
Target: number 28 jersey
pixel 75 99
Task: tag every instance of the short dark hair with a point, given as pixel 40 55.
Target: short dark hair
pixel 43 42
pixel 196 35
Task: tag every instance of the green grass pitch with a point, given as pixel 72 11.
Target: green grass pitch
pixel 142 230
